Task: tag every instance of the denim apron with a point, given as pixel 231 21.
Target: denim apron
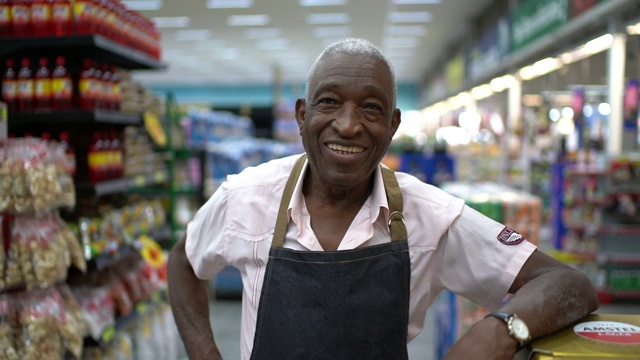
pixel 351 304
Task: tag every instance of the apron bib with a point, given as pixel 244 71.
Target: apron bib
pixel 351 304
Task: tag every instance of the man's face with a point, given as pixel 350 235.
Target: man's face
pixel 349 119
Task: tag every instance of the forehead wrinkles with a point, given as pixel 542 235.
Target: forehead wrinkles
pixel 351 69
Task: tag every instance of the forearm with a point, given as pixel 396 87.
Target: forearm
pixel 553 300
pixel 190 305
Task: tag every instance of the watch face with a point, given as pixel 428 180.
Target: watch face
pixel 520 330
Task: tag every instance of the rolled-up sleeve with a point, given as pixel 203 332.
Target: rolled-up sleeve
pixel 205 245
pixel 474 263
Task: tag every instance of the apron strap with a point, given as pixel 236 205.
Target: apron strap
pixel 397 226
pixel 283 218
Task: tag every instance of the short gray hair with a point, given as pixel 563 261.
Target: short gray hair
pixel 353 46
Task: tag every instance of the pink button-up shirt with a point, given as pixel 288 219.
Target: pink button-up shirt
pixel 451 246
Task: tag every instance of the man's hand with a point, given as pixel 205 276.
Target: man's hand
pixel 487 339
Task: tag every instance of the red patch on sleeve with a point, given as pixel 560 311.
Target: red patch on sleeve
pixel 508 236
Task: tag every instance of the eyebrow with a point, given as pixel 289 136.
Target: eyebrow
pixel 334 86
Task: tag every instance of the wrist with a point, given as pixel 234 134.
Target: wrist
pixel 500 331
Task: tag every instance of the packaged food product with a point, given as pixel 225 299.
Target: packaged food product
pixel 98 308
pixel 74 329
pixel 8 330
pixel 40 315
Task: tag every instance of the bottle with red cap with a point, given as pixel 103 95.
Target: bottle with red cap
pixel 5 18
pixel 70 154
pixel 86 86
pixel 107 87
pixel 83 15
pixel 10 86
pixel 115 88
pixel 62 18
pixel 43 85
pixel 97 81
pixel 97 158
pixel 61 86
pixel 41 18
pixel 21 18
pixel 25 86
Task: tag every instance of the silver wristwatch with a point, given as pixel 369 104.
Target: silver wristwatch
pixel 517 328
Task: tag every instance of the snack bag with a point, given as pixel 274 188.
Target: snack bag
pixel 8 330
pixel 40 315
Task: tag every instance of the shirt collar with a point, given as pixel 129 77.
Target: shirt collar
pixel 377 199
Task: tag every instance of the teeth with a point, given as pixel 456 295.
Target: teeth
pixel 347 149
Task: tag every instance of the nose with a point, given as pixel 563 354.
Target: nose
pixel 348 121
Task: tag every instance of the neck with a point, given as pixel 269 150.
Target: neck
pixel 319 192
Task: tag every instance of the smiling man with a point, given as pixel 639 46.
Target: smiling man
pixel 341 257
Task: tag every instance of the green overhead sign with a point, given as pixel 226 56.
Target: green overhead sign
pixel 536 18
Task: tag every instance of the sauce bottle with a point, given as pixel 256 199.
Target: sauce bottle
pixel 70 154
pixel 83 15
pixel 62 18
pixel 21 17
pixel 115 87
pixel 61 85
pixel 97 89
pixel 5 18
pixel 43 85
pixel 116 152
pixel 94 156
pixel 41 18
pixel 86 86
pixel 107 91
pixel 10 86
pixel 25 86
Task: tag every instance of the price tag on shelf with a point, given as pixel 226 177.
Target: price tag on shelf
pixel 159 177
pixel 155 129
pixel 139 180
pixel 109 333
pixel 3 121
pixel 142 307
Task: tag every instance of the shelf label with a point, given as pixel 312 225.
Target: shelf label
pixel 142 307
pixel 139 180
pixel 109 333
pixel 159 177
pixel 155 129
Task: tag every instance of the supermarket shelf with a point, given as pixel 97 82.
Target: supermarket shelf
pixel 620 230
pixel 121 185
pixel 607 296
pixel 122 322
pixel 82 45
pixel 107 260
pixel 73 117
pixel 619 259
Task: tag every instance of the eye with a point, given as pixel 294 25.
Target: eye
pixel 373 107
pixel 327 100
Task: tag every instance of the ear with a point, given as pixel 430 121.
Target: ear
pixel 395 123
pixel 301 109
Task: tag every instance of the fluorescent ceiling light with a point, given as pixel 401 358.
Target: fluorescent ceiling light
pixel 407 30
pixel 211 45
pixel 229 4
pixel 328 18
pixel 171 21
pixel 401 42
pixel 410 16
pixel 192 35
pixel 322 2
pixel 332 31
pixel 143 4
pixel 416 2
pixel 261 33
pixel 248 20
pixel 273 44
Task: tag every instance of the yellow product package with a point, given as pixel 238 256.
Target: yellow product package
pixel 597 336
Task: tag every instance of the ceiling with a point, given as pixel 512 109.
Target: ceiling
pixel 213 51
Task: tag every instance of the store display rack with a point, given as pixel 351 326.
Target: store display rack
pixel 73 117
pixel 122 185
pixel 85 45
